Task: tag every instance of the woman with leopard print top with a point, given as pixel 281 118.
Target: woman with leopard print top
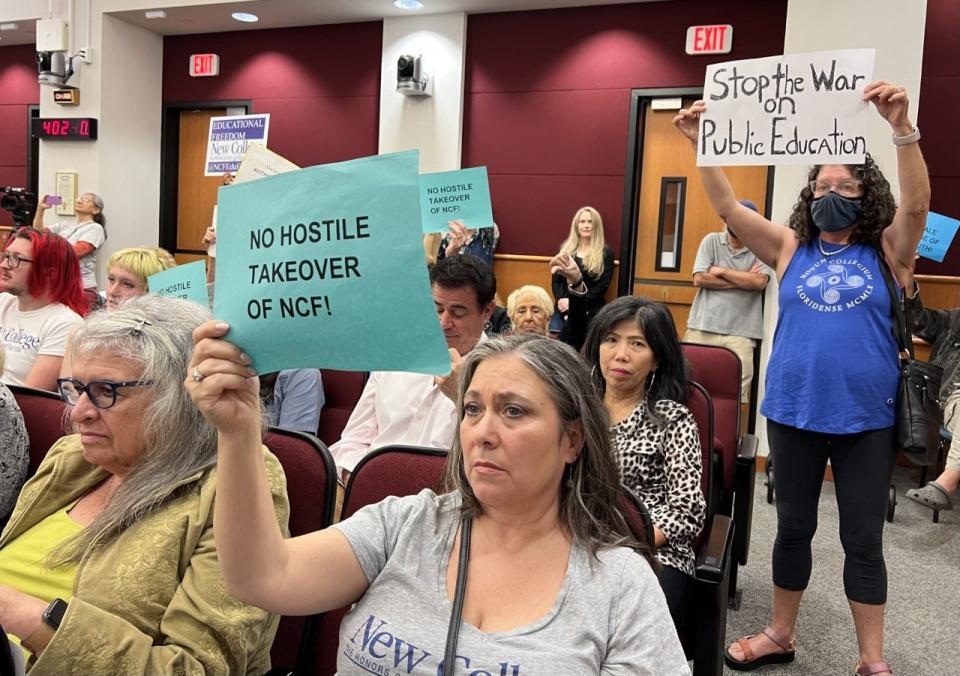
pixel 640 370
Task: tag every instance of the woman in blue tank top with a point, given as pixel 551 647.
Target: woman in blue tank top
pixel 832 377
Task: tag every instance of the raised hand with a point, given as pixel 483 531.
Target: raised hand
pixel 565 265
pixel 448 383
pixel 892 103
pixel 210 236
pixel 221 382
pixel 687 121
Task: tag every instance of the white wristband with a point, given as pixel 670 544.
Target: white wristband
pixel 912 137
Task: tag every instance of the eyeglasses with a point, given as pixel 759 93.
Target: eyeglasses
pixel 102 393
pixel 13 261
pixel 848 188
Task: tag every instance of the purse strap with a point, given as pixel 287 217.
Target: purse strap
pixel 453 630
pixel 901 313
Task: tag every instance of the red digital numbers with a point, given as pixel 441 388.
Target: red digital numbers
pixel 56 127
pixel 67 128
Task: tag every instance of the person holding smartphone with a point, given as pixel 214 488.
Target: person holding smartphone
pixel 87 233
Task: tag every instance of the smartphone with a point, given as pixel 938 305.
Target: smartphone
pixel 53 199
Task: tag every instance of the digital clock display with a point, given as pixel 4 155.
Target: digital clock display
pixel 65 128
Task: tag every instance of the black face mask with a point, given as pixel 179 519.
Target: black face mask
pixel 834 212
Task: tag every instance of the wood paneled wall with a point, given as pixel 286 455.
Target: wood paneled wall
pixel 513 271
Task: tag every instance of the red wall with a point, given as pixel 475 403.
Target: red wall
pixel 548 97
pixel 320 84
pixel 18 89
pixel 939 103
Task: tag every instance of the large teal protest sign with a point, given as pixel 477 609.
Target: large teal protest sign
pixel 183 281
pixel 324 267
pixel 937 236
pixel 462 195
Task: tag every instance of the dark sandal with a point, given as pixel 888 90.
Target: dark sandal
pixel 873 668
pixel 749 663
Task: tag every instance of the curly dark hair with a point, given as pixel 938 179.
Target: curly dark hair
pixel 877 207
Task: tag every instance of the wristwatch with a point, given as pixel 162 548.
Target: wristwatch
pixel 52 617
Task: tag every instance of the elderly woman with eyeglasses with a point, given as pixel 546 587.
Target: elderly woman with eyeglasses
pixel 108 564
pixel 833 373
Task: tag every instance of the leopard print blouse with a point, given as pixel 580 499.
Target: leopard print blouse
pixel 662 464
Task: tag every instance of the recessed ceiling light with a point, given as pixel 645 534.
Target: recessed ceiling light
pixel 246 17
pixel 155 14
pixel 408 4
pixel 8 26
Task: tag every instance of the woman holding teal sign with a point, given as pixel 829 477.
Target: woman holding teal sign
pixel 532 489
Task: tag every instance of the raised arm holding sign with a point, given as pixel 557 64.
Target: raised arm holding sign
pixel 833 374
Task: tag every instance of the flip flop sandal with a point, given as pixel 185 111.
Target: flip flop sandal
pixel 873 668
pixel 933 495
pixel 749 663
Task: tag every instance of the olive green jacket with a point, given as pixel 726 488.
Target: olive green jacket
pixel 153 601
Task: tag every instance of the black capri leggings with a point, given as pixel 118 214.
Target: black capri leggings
pixel 862 465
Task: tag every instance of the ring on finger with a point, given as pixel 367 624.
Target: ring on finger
pixel 196 375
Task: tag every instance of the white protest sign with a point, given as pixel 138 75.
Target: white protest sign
pixel 790 109
pixel 228 139
pixel 257 162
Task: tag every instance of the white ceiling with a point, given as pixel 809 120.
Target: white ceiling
pixel 215 18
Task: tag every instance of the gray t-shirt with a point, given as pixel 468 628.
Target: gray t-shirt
pixel 610 617
pixel 731 312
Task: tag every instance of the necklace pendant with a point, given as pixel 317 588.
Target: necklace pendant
pixel 832 253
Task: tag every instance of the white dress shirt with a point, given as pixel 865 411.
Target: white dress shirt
pixel 396 408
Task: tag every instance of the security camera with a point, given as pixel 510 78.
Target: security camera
pixel 54 68
pixel 412 78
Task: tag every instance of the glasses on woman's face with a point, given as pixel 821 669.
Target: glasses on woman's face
pixel 849 187
pixel 13 261
pixel 101 393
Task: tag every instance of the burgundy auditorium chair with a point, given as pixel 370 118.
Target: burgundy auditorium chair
pixel 341 391
pixel 312 490
pixel 390 470
pixel 718 370
pixel 45 416
pixel 704 641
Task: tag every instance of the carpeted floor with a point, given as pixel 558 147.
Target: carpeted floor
pixel 923 610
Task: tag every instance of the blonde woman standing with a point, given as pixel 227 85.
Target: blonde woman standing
pixel 583 268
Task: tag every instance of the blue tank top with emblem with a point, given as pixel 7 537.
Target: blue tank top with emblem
pixel 834 366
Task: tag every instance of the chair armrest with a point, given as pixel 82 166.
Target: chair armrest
pixel 744 483
pixel 713 560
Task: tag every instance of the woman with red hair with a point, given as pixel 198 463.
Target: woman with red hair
pixel 43 300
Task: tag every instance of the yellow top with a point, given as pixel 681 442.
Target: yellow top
pixel 21 561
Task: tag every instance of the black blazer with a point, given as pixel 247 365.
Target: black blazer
pixel 587 306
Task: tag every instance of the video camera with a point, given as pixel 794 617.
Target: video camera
pixel 20 202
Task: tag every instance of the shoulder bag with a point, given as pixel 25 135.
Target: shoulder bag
pixel 918 403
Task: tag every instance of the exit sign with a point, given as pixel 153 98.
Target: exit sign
pixel 204 65
pixel 716 39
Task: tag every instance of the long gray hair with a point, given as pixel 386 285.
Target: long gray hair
pixel 588 507
pixel 155 333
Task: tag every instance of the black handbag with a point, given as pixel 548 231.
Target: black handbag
pixel 453 629
pixel 918 403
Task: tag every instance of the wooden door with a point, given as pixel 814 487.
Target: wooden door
pixel 674 214
pixel 196 193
